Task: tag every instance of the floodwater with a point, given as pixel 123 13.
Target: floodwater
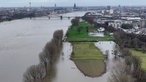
pixel 97 34
pixel 108 45
pixel 22 40
pixel 68 72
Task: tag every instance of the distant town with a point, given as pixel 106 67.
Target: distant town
pixel 128 13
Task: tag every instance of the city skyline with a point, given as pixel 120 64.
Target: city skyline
pixel 37 3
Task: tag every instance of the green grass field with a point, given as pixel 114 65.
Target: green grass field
pixel 86 51
pixel 74 35
pixel 142 56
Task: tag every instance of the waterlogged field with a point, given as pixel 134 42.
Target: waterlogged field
pixel 91 68
pixel 86 51
pixel 88 58
pixel 67 71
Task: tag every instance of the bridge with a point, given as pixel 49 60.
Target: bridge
pixel 62 16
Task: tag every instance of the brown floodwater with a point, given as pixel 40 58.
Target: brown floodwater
pixel 67 71
pixel 22 40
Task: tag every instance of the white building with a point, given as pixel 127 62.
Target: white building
pixel 131 18
pixel 115 23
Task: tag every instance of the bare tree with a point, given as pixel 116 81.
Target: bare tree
pixel 125 52
pixel 41 71
pixel 45 61
pixel 143 48
pixel 129 64
pixel 137 72
pixel 116 50
pixel 43 57
pixel 136 41
pixel 106 54
pixel 35 73
pixel 120 75
pixel 57 37
pixel 50 49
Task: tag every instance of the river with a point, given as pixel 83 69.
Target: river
pixel 22 40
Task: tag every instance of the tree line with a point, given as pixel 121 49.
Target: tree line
pixel 138 42
pixel 49 55
pixel 131 67
pixel 129 70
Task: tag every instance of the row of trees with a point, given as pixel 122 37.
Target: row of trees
pixel 132 70
pixel 119 74
pixel 91 20
pixel 127 26
pixel 130 40
pixel 129 70
pixel 75 21
pixel 49 55
pixel 133 66
pixel 17 16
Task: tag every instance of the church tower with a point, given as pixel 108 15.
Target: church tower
pixel 75 6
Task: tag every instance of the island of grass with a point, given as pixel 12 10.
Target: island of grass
pixel 80 32
pixel 88 59
pixel 142 56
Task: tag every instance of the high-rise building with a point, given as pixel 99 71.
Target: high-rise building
pixel 30 4
pixel 29 8
pixel 108 7
pixel 75 6
pixel 120 10
pixel 55 5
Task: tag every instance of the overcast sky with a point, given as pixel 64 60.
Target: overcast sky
pixel 22 3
